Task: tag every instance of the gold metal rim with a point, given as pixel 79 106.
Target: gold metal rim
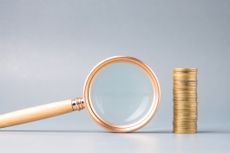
pixel 130 127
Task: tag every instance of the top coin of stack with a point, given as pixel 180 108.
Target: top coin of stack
pixel 185 100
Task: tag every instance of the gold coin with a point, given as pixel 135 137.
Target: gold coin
pixel 185 98
pixel 185 70
pixel 187 82
pixel 185 103
pixel 182 88
pixel 185 88
pixel 192 74
pixel 189 124
pixel 184 107
pixel 184 131
pixel 183 115
pixel 182 77
pixel 176 91
pixel 185 124
pixel 185 73
pixel 178 83
pixel 185 78
pixel 179 91
pixel 185 118
pixel 184 95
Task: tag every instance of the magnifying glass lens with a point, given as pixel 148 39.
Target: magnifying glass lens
pixel 122 93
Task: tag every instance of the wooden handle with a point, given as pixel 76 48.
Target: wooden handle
pixel 39 112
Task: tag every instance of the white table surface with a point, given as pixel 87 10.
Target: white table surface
pixel 158 141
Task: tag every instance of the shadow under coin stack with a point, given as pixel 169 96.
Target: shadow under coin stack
pixel 185 100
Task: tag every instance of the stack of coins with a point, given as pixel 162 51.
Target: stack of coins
pixel 185 100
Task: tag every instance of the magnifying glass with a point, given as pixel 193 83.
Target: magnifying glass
pixel 121 94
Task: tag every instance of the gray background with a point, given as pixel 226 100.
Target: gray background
pixel 47 48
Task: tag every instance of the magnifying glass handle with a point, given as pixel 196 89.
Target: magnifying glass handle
pixel 41 112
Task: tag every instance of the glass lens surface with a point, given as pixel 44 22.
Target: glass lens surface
pixel 122 93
